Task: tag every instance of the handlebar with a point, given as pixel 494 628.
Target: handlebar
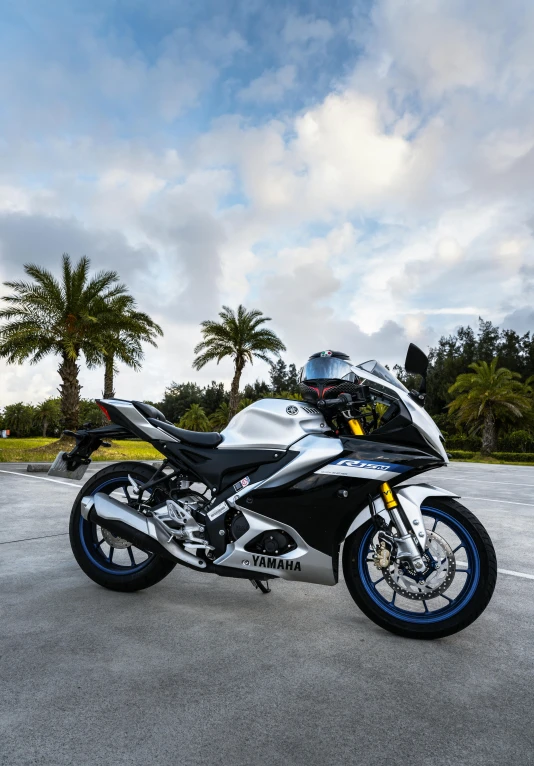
pixel 362 397
pixel 343 399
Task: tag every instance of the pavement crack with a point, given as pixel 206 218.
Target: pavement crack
pixel 26 539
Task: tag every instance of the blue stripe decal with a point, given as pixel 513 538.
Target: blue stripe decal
pixel 345 462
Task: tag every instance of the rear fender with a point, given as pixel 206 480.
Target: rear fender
pixel 72 464
pixel 411 497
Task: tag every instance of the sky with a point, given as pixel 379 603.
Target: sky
pixel 363 173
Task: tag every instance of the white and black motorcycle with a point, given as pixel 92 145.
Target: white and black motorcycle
pixel 281 489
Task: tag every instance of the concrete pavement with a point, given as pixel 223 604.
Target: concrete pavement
pixel 204 669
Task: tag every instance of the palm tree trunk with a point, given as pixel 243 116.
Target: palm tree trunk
pixel 70 392
pixel 489 434
pixel 234 390
pixel 45 427
pixel 109 371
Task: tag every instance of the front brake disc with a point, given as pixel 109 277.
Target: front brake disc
pixel 440 570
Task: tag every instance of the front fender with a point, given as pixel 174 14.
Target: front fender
pixel 411 496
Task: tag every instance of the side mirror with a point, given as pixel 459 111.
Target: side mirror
pixel 416 361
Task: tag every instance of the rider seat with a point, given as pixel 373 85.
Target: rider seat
pixel 195 438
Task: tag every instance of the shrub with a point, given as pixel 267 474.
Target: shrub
pixel 507 457
pixel 517 441
pixel 443 422
pixel 515 457
pixel 463 442
pixel 461 454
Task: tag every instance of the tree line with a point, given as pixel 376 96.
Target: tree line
pixel 479 386
pixel 189 405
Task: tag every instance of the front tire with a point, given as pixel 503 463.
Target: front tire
pixel 108 560
pixel 404 610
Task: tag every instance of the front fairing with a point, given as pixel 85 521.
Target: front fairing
pixel 420 419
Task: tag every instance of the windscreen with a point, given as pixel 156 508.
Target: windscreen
pixel 377 369
pixel 326 368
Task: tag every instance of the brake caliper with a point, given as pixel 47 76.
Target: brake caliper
pixel 381 556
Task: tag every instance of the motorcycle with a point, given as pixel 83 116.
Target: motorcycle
pixel 278 494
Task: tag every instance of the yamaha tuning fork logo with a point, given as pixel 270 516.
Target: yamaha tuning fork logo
pixel 292 410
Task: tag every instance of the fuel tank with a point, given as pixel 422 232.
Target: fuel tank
pixel 272 424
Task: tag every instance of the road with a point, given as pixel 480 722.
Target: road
pixel 201 669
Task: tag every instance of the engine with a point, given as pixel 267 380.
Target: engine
pixel 274 542
pixel 236 525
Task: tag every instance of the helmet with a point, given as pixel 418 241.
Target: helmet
pixel 326 371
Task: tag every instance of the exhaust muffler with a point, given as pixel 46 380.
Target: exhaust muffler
pixel 140 530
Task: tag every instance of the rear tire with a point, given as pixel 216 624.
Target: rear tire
pixel 84 540
pixel 474 594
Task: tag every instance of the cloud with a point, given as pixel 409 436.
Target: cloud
pixel 335 157
pixel 79 76
pixel 271 86
pixel 27 238
pixel 521 320
pixel 435 44
pixel 366 180
pixel 301 29
pixel 304 297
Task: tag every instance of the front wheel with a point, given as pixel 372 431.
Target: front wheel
pixel 451 594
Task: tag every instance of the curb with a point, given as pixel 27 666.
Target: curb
pixel 43 467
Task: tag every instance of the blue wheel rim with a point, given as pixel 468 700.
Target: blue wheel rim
pixel 438 615
pixel 89 539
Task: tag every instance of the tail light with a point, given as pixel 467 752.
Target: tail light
pixel 106 413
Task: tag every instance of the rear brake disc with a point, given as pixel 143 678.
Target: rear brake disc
pixel 113 540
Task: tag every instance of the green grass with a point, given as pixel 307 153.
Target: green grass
pixel 459 456
pixel 39 450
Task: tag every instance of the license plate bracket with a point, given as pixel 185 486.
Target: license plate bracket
pixel 59 468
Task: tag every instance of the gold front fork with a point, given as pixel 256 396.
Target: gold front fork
pixel 356 427
pixel 387 496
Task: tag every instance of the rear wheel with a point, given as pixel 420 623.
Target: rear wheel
pixel 450 595
pixel 107 559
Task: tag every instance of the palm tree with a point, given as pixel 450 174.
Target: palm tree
pixel 244 403
pixel 240 336
pixel 221 417
pixel 122 341
pixel 48 413
pixel 289 395
pixel 486 396
pixel 19 418
pixel 64 318
pixel 195 419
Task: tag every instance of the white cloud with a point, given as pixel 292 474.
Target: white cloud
pixel 301 29
pixel 394 208
pixel 271 86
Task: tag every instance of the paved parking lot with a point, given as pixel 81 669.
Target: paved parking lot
pixel 201 669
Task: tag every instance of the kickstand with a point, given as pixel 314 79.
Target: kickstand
pixel 260 585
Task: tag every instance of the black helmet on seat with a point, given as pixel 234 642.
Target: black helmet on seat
pixel 326 374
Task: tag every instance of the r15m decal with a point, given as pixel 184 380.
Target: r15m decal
pixel 363 469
